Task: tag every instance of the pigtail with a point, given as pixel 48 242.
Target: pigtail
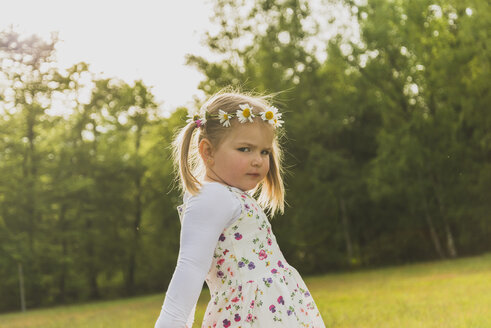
pixel 272 189
pixel 182 146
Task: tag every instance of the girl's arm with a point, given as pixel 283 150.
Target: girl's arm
pixel 205 217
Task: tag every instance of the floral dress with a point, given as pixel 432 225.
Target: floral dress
pixel 251 284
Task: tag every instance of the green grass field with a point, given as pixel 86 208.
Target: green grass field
pixel 437 294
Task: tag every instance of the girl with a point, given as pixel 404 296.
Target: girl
pixel 225 154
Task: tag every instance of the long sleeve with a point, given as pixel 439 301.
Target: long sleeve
pixel 205 216
pixel 190 321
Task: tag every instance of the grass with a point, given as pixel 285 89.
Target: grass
pixel 453 294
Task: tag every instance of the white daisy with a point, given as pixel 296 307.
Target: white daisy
pixel 196 118
pixel 277 122
pixel 192 117
pixel 271 115
pixel 224 118
pixel 245 113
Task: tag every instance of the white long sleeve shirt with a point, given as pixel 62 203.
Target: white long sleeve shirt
pixel 204 218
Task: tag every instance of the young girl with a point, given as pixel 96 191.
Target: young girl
pixel 225 154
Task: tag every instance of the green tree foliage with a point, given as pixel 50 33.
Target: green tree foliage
pixel 430 153
pixel 87 203
pixel 382 133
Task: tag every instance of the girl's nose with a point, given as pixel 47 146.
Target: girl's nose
pixel 257 161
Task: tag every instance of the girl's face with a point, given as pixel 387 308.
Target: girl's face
pixel 242 158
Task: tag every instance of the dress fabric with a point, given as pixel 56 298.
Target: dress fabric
pixel 251 284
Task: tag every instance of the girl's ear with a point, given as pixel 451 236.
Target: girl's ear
pixel 206 151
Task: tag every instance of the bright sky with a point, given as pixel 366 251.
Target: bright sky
pixel 130 40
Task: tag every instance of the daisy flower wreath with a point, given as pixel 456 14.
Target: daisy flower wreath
pixel 244 115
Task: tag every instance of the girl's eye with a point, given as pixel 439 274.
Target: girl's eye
pixel 244 149
pixel 265 152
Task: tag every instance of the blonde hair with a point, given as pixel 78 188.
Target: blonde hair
pixel 190 166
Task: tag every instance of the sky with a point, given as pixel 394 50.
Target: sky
pixel 130 40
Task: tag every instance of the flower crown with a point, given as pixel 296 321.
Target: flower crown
pixel 244 114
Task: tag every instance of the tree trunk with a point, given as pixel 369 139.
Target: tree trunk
pixel 63 253
pixel 346 229
pixel 21 288
pixel 433 234
pixel 429 220
pixel 91 269
pixel 451 249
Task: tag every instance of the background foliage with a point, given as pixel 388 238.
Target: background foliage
pixel 388 147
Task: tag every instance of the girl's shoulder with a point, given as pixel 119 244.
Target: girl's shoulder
pixel 218 189
pixel 215 195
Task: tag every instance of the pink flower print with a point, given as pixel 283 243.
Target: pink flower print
pixel 222 237
pixel 235 299
pixel 280 264
pixel 228 307
pixel 225 252
pixel 280 300
pixel 274 271
pixel 240 288
pixel 241 264
pixel 252 304
pixel 226 323
pixel 249 317
pixel 262 254
pixel 272 308
pixel 251 266
pixel 237 317
pixel 242 196
pixel 220 261
pixel 219 274
pixel 247 206
pixel 269 241
pixel 269 230
pixel 238 236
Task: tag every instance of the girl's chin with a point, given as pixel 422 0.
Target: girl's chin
pixel 245 186
pixel 249 186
